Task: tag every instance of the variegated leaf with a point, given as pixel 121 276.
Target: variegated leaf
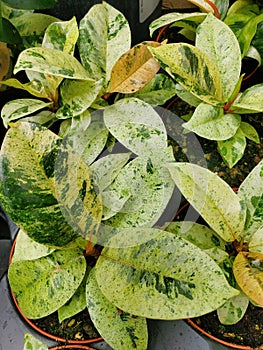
pixel 251 192
pixel 171 18
pixel 136 125
pixel 43 285
pixel 233 310
pixel 119 329
pixel 233 149
pixel 17 109
pixel 34 87
pixel 187 96
pixel 250 132
pixel 77 96
pixel 143 188
pixel 28 249
pixel 211 123
pixel 213 198
pixel 45 118
pixel 249 101
pixel 218 42
pixel 203 5
pixel 134 69
pixel 256 241
pixel 248 271
pixel 103 30
pixel 193 69
pixel 164 278
pixel 50 61
pixel 32 343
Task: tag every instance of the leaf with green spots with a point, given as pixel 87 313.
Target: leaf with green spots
pixel 218 42
pixel 171 18
pixel 51 61
pixel 17 109
pixel 250 132
pixel 211 123
pixel 249 101
pixel 193 69
pixel 187 96
pixel 164 278
pixel 103 29
pixel 256 241
pixel 251 192
pixel 233 310
pixel 212 197
pixel 141 193
pixel 233 149
pixel 119 329
pixel 158 91
pixel 32 343
pixel 27 249
pixel 77 96
pixel 134 69
pixel 248 271
pixel 43 285
pixel 136 125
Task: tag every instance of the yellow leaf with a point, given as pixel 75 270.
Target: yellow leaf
pixel 248 271
pixel 134 69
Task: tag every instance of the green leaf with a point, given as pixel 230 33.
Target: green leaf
pixel 77 96
pixel 211 123
pixel 51 61
pixel 136 125
pixel 250 132
pixel 31 4
pixel 233 310
pixel 249 101
pixel 187 96
pixel 233 149
pixel 17 109
pixel 119 329
pixel 28 249
pixel 164 278
pixel 193 69
pixel 213 198
pixel 251 192
pixel 74 305
pixel 173 17
pixel 9 33
pixel 32 343
pixel 103 30
pixel 43 285
pixel 158 91
pixel 218 42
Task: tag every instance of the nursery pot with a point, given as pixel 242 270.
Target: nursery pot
pixel 139 13
pixel 73 343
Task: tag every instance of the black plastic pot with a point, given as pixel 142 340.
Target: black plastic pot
pixel 139 13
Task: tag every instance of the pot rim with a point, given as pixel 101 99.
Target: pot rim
pixel 39 330
pixel 70 346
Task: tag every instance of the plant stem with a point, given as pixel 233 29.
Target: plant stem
pixel 217 13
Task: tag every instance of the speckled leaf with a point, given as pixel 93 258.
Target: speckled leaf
pixel 143 188
pixel 17 109
pixel 34 87
pixel 249 101
pixel 171 18
pixel 107 168
pixel 248 271
pixel 256 241
pixel 203 5
pixel 134 69
pixel 233 310
pixel 193 69
pixel 104 37
pixel 158 91
pixel 164 278
pixel 43 285
pixel 74 305
pixel 250 132
pixel 187 96
pixel 32 343
pixel 211 123
pixel 233 149
pixel 251 192
pixel 218 41
pixel 89 141
pixel 211 197
pixel 136 125
pixel 27 188
pixel 50 61
pixel 119 329
pixel 77 96
pixel 28 249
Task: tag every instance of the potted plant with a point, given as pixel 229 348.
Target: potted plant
pixel 208 73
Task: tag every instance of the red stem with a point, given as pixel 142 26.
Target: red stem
pixel 217 13
pixel 161 31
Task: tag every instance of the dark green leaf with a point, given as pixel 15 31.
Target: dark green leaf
pixel 30 4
